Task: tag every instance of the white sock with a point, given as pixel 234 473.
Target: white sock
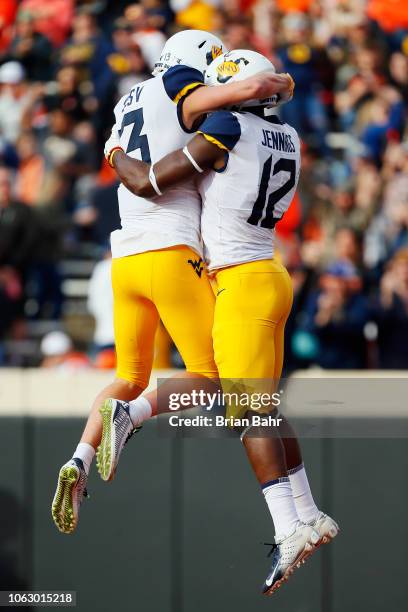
pixel 304 502
pixel 140 410
pixel 86 452
pixel 278 496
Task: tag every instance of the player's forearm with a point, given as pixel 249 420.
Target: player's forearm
pixel 134 174
pixel 184 164
pixel 207 99
pixel 265 85
pixel 170 170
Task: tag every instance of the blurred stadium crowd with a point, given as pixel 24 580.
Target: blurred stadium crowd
pixel 64 64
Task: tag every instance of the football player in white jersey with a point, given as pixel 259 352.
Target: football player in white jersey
pixel 157 266
pixel 255 160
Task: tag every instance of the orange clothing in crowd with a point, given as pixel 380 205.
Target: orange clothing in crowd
pixel 293 6
pixel 72 361
pixel 390 14
pixel 29 180
pixel 291 219
pixel 106 174
pixel 245 5
pixel 54 17
pixel 8 10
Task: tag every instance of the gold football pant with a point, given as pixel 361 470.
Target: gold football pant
pixel 169 284
pixel 252 305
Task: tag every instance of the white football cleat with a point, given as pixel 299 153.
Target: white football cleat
pixel 326 527
pixel 288 554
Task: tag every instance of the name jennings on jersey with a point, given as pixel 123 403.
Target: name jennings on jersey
pixel 278 140
pixel 150 126
pixel 243 202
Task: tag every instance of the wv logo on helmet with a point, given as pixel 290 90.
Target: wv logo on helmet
pixel 211 55
pixel 227 70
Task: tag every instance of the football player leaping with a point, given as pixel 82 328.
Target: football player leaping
pixel 255 160
pixel 156 267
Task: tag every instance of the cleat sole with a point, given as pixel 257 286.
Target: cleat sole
pixel 104 452
pixel 62 509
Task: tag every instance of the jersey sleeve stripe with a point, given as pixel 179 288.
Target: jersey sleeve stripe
pixel 185 90
pixel 178 80
pixel 213 140
pixel 223 129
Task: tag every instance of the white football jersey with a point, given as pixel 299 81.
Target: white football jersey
pixel 150 126
pixel 243 202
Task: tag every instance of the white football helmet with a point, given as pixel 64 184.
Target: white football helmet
pixel 238 65
pixel 194 48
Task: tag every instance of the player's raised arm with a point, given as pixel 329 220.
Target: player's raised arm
pixel 196 95
pixel 208 149
pixel 263 85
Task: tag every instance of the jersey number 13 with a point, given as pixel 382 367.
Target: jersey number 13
pixel 137 140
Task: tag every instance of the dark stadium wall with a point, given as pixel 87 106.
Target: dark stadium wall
pixel 182 526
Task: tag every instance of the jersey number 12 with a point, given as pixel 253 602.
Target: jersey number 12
pixel 136 140
pixel 264 208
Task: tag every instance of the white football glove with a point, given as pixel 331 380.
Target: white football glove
pixel 112 143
